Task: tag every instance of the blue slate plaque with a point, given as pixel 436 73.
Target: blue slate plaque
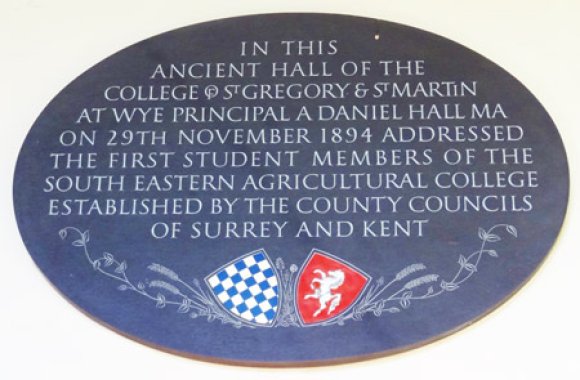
pixel 291 189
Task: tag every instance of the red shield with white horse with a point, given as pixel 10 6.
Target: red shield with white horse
pixel 327 287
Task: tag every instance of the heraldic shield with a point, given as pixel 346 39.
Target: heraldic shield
pixel 247 288
pixel 327 287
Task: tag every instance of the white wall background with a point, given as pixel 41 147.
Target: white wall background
pixel 46 44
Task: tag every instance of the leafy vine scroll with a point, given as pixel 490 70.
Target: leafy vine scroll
pixel 412 283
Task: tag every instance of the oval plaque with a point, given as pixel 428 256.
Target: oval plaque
pixel 291 189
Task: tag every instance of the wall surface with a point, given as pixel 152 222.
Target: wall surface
pixel 46 44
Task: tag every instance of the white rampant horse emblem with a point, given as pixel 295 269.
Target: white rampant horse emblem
pixel 327 282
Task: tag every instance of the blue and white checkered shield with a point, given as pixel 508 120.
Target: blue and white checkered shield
pixel 247 288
